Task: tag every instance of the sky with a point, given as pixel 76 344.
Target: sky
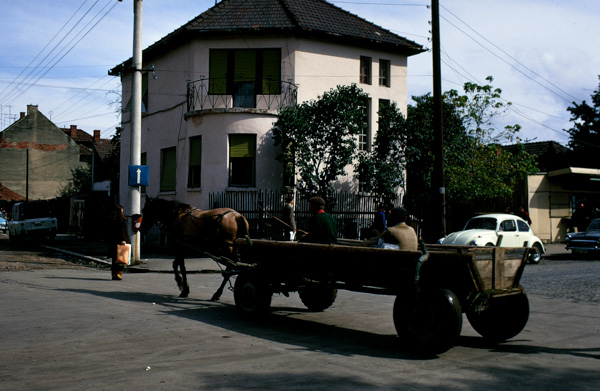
pixel 540 53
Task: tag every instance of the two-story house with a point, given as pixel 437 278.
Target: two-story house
pixel 213 87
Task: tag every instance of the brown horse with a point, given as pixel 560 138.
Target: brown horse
pixel 213 231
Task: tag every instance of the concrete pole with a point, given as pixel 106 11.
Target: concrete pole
pixel 438 129
pixel 135 154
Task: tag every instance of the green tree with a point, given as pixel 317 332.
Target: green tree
pixel 585 133
pixel 485 169
pixel 382 169
pixel 476 165
pixel 318 138
pixel 80 182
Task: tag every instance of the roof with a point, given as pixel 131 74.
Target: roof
pixel 550 155
pixel 7 194
pixel 308 18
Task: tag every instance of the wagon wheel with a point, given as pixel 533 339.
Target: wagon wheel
pixel 252 295
pixel 317 298
pixel 535 254
pixel 429 321
pixel 503 319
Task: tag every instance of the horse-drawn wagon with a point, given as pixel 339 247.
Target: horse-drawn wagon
pixel 432 288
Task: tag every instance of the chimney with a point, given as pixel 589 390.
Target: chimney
pixel 73 132
pixel 22 115
pixel 32 109
pixel 96 136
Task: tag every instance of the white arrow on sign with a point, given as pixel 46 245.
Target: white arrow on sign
pixel 139 175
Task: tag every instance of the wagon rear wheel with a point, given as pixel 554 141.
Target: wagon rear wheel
pixel 428 322
pixel 252 295
pixel 503 319
pixel 317 298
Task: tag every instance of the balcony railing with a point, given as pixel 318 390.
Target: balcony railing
pixel 206 94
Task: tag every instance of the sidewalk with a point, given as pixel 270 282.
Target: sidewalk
pixel 149 262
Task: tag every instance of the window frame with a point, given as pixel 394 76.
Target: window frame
pixel 222 65
pixel 385 73
pixel 165 182
pixel 366 70
pixel 194 180
pixel 238 161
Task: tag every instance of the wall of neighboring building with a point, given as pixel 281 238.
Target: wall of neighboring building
pixel 549 208
pixel 52 154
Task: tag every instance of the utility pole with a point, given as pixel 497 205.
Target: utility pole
pixel 438 128
pixel 135 151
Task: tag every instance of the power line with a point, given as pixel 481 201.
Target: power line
pixel 511 57
pixel 506 62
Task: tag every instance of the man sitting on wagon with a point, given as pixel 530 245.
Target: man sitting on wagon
pixel 322 227
pixel 398 235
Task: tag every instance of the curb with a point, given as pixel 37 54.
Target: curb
pixel 130 269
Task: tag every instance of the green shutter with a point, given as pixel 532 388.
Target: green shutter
pixel 195 151
pixel 271 83
pixel 168 169
pixel 242 145
pixel 218 72
pixel 245 65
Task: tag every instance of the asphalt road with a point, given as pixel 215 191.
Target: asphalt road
pixel 75 329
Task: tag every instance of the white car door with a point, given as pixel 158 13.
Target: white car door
pixel 510 234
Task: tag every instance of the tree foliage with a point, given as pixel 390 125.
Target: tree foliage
pixel 381 170
pixel 80 182
pixel 585 133
pixel 476 165
pixel 318 138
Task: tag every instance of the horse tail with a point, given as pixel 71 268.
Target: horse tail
pixel 243 230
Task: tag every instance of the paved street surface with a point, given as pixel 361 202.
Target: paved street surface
pixel 75 329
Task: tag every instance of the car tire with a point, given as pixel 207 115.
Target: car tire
pixel 535 255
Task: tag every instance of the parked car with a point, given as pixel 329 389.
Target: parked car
pixel 31 220
pixel 3 225
pixel 485 230
pixel 587 241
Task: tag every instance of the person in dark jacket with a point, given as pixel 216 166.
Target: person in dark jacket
pixel 117 234
pixel 322 227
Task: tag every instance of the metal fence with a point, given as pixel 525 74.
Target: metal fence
pixel 263 210
pixel 205 94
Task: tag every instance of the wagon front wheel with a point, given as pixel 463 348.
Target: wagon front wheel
pixel 429 321
pixel 317 298
pixel 252 295
pixel 504 318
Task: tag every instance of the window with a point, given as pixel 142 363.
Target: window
pixel 244 73
pixel 144 95
pixel 508 225
pixel 384 73
pixel 523 227
pixel 365 70
pixel 364 137
pixel 195 168
pixel 168 169
pixel 143 163
pixel 242 160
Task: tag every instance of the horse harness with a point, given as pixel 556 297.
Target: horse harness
pixel 216 219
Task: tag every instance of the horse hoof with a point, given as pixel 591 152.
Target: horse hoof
pixel 184 294
pixel 215 298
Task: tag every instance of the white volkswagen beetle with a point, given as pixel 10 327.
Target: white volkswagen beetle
pixel 485 230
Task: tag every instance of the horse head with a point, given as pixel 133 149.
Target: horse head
pixel 150 214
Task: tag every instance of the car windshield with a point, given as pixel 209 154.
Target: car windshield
pixel 481 223
pixel 594 225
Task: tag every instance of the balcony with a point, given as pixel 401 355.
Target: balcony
pixel 241 95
